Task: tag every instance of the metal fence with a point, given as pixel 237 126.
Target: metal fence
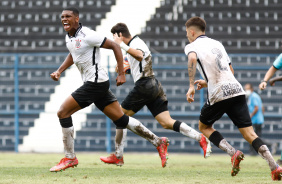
pixel 14 63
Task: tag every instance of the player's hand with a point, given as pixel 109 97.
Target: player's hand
pixel 262 85
pixel 190 94
pixel 271 82
pixel 117 38
pixel 120 79
pixel 55 75
pixel 201 84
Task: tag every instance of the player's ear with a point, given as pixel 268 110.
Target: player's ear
pixel 120 34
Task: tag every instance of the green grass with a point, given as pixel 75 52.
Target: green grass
pixel 138 168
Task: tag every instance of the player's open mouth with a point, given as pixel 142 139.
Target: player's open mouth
pixel 66 26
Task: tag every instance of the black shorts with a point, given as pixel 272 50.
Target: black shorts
pixel 147 91
pixel 236 108
pixel 97 93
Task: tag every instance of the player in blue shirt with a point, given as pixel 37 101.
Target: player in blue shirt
pixel 256 111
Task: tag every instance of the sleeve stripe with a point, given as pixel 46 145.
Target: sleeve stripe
pixel 103 42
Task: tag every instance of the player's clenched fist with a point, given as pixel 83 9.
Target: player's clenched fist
pixel 262 85
pixel 120 79
pixel 55 75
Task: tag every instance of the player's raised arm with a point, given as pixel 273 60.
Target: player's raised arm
pixel 66 64
pixel 192 63
pixel 118 55
pixel 137 54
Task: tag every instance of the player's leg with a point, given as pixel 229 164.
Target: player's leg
pixel 134 101
pixel 68 107
pixel 262 149
pixel 210 114
pixel 239 114
pixel 121 134
pixel 167 122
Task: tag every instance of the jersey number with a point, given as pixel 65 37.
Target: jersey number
pixel 218 59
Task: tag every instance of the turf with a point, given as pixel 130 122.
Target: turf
pixel 138 168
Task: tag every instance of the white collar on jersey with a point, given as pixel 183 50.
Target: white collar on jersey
pixel 201 36
pixel 76 32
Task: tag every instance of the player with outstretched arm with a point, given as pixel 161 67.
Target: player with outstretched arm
pixel 84 46
pixel 225 95
pixel 277 65
pixel 147 91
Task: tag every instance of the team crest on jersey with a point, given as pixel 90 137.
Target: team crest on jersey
pixel 77 43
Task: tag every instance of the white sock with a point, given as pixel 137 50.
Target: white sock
pixel 119 142
pixel 225 146
pixel 189 132
pixel 264 152
pixel 68 141
pixel 138 128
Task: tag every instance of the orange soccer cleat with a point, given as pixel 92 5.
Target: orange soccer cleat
pixel 64 164
pixel 235 161
pixel 112 159
pixel 206 146
pixel 162 149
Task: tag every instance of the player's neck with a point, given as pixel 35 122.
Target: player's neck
pixel 127 40
pixel 73 31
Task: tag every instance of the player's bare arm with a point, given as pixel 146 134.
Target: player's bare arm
pixel 192 63
pixel 201 84
pixel 274 79
pixel 118 55
pixel 137 54
pixel 267 76
pixel 66 64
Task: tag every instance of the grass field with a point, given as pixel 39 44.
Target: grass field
pixel 138 168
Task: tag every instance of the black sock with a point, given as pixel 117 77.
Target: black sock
pixel 257 143
pixel 215 138
pixel 176 126
pixel 66 122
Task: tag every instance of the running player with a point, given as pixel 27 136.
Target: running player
pixel 225 95
pixel 147 91
pixel 84 46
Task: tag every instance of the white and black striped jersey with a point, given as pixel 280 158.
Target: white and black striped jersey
pixel 140 68
pixel 213 64
pixel 84 47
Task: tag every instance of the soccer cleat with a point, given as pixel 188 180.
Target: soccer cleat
pixel 112 159
pixel 235 161
pixel 162 149
pixel 206 146
pixel 277 173
pixel 64 164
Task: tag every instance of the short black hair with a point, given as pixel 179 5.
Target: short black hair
pixel 121 28
pixel 197 22
pixel 74 10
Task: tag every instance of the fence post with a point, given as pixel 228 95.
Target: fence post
pixel 108 121
pixel 16 101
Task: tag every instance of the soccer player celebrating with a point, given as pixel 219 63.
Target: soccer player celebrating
pixel 225 95
pixel 147 91
pixel 84 46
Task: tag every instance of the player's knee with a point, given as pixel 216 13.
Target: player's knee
pixel 61 114
pixel 202 127
pixel 165 125
pixel 122 122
